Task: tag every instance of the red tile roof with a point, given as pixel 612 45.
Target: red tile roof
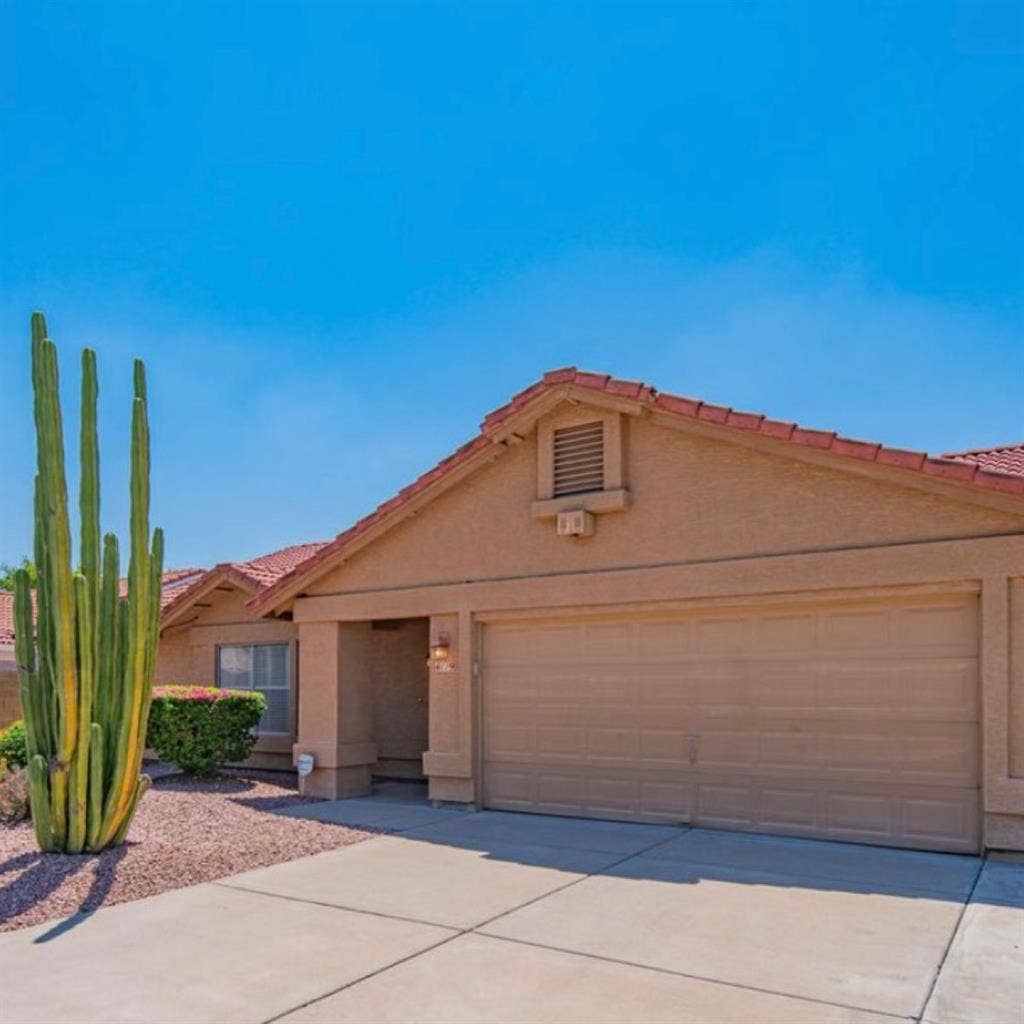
pixel 254 574
pixel 1004 458
pixel 958 468
pixel 267 569
pixel 173 581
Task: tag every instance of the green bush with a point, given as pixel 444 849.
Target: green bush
pixel 13 747
pixel 200 727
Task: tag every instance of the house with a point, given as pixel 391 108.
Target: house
pixel 209 637
pixel 641 606
pixel 10 690
pixel 7 661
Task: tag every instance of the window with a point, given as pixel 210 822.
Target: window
pixel 579 459
pixel 266 669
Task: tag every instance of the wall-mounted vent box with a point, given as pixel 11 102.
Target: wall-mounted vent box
pixel 576 522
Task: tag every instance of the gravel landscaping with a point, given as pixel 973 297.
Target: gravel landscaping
pixel 185 832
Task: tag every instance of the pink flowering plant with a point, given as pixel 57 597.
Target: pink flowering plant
pixel 199 728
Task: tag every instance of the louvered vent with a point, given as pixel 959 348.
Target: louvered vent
pixel 579 459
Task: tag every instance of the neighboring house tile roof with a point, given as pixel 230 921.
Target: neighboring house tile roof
pixel 173 581
pixel 1004 458
pixel 957 468
pixel 255 574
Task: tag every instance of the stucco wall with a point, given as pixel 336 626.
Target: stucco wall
pixel 693 498
pixel 10 700
pixel 1016 695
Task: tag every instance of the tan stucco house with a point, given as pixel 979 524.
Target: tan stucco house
pixel 627 604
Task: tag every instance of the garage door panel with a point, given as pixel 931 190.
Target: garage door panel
pixel 724 744
pixel 938 821
pixel 852 721
pixel 856 630
pixel 939 753
pixel 789 809
pixel 555 740
pixel 786 633
pixel 941 629
pixel 785 685
pixel 665 640
pixel 669 747
pixel 943 689
pixel 723 636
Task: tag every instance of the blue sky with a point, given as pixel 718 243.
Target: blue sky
pixel 340 233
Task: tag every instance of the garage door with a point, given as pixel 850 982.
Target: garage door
pixel 843 721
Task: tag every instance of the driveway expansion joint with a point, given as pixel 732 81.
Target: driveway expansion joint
pixel 456 932
pixel 697 977
pixel 952 938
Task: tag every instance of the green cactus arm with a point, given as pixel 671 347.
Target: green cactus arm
pixel 96 773
pixel 156 569
pixel 141 785
pixel 107 638
pixel 58 534
pixel 25 656
pixel 89 483
pixel 79 780
pixel 129 743
pixel 58 802
pixel 39 799
pixel 44 698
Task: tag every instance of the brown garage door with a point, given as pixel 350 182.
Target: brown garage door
pixel 853 721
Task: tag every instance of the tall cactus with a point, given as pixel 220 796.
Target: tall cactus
pixel 86 669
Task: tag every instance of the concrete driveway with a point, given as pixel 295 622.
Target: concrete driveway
pixel 505 917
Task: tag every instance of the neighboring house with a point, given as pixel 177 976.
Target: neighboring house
pixel 10 699
pixel 644 607
pixel 7 661
pixel 209 637
pixel 1006 458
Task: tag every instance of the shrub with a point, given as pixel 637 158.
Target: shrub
pixel 200 727
pixel 13 793
pixel 13 746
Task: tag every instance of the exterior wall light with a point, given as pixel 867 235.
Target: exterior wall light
pixel 441 647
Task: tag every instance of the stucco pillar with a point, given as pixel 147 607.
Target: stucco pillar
pixel 450 762
pixel 1003 792
pixel 336 708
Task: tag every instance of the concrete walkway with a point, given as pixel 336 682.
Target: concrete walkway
pixel 505 917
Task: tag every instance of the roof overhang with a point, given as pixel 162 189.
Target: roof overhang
pixel 176 612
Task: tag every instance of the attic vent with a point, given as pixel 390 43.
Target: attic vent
pixel 579 459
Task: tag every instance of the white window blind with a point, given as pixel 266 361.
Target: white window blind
pixel 264 668
pixel 579 459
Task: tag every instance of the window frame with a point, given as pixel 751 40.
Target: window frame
pixel 290 688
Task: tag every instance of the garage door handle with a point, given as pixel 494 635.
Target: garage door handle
pixel 692 739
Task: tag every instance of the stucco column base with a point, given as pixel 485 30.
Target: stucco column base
pixel 1004 831
pixel 454 790
pixel 337 783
